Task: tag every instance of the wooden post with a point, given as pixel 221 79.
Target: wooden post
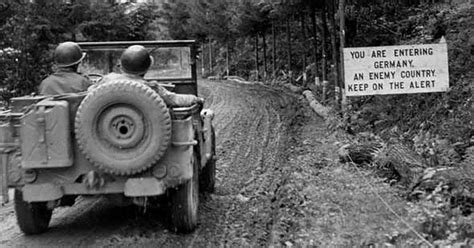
pixel 342 32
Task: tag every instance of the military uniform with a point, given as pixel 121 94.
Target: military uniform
pixel 171 99
pixel 64 80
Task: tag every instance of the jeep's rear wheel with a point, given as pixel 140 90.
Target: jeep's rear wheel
pixel 184 201
pixel 207 177
pixel 123 127
pixel 208 182
pixel 32 217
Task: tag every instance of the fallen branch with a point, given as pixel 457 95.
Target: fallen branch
pixel 398 162
pixel 317 107
pixel 236 78
pixel 293 88
pixel 214 78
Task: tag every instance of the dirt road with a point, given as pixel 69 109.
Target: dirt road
pixel 253 124
pixel 279 184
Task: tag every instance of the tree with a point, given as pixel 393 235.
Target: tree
pixel 105 22
pixel 252 20
pixel 218 16
pixel 175 14
pixel 26 36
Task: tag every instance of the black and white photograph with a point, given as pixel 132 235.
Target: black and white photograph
pixel 237 123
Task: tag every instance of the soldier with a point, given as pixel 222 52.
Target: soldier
pixel 135 62
pixel 66 79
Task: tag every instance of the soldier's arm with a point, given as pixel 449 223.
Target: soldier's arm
pixel 177 100
pixel 86 83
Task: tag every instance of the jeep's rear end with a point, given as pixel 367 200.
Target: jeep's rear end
pixel 119 140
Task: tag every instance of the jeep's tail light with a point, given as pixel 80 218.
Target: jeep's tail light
pixel 30 176
pixel 159 171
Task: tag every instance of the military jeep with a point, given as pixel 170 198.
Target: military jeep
pixel 118 140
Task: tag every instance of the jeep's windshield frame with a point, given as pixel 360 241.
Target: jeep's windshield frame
pixel 175 61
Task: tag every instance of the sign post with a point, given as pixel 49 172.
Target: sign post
pixel 389 70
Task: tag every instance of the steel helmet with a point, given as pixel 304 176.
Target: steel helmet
pixel 68 54
pixel 136 60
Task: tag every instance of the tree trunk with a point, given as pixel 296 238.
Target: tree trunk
pixel 227 58
pixel 335 62
pixel 324 51
pixel 315 43
pixel 210 57
pixel 203 64
pixel 303 58
pixel 323 42
pixel 264 40
pixel 288 36
pixel 274 50
pixel 256 58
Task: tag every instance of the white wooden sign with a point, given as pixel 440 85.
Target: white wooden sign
pixel 396 69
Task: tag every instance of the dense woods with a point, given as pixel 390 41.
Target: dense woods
pixel 292 41
pixel 299 42
pixel 29 32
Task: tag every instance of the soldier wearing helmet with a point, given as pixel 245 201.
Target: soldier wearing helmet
pixel 135 62
pixel 66 79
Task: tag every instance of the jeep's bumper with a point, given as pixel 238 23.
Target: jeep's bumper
pixel 132 187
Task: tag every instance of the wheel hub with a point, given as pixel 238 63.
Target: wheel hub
pixel 122 126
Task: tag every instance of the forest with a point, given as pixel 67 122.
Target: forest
pixel 295 42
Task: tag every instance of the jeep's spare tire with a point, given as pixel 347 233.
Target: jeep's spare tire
pixel 123 127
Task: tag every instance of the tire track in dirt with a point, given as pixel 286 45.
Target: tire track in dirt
pixel 251 174
pixel 252 122
pixel 219 98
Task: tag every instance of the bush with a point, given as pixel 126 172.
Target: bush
pixel 436 217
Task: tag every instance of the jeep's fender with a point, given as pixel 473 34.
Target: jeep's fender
pixel 207 116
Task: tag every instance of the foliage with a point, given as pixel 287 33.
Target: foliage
pixel 199 19
pixel 29 32
pixel 176 17
pixel 29 35
pixel 251 19
pixel 234 26
pixel 118 22
pixel 218 20
pixel 141 21
pixel 444 224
